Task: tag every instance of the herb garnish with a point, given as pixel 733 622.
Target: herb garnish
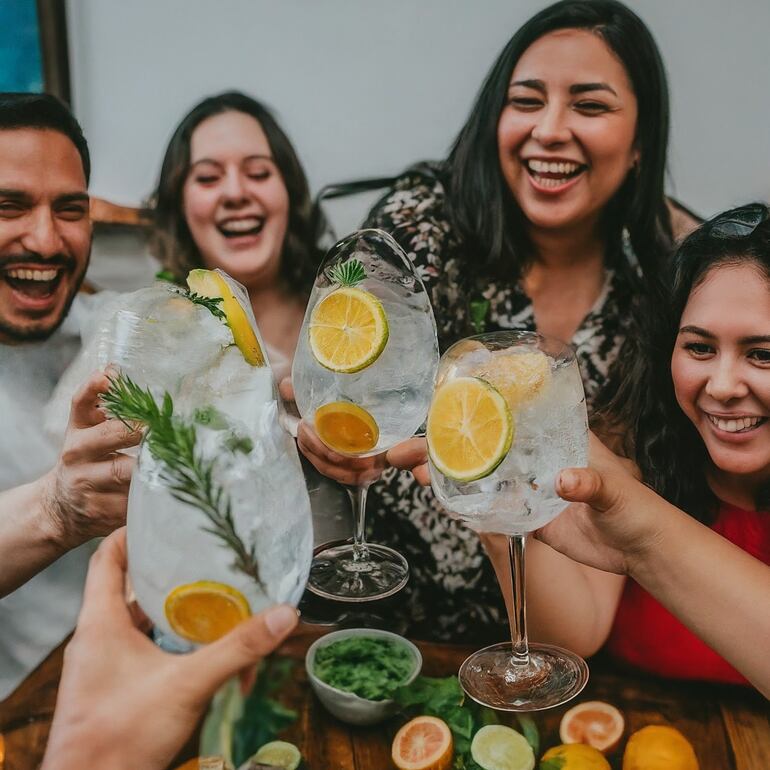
pixel 189 477
pixel 349 273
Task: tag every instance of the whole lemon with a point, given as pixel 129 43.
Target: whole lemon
pixel 658 747
pixel 577 756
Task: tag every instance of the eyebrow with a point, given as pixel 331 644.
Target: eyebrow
pixel 25 197
pixel 257 156
pixel 751 340
pixel 576 88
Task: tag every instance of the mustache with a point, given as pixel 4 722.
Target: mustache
pixel 32 258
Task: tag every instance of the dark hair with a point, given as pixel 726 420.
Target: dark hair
pixel 171 241
pixel 668 448
pixel 43 111
pixel 495 229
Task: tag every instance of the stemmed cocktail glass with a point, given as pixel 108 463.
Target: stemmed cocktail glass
pixel 507 415
pixel 363 375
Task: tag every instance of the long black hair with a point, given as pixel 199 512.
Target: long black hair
pixel 480 204
pixel 667 447
pixel 171 241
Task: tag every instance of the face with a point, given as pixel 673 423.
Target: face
pixel 566 135
pixel 45 232
pixel 721 368
pixel 235 200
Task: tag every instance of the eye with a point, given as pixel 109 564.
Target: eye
pixel 259 175
pixel 591 108
pixel 72 212
pixel 10 209
pixel 760 356
pixel 699 349
pixel 206 179
pixel 526 103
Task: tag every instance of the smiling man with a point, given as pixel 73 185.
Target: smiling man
pixel 50 504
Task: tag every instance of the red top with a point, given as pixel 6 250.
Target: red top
pixel 645 634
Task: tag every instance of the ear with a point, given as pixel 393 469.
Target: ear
pixel 636 158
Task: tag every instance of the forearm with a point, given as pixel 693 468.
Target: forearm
pixel 29 541
pixel 568 604
pixel 720 592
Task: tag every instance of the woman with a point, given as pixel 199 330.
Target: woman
pixel 698 601
pixel 232 194
pixel 549 214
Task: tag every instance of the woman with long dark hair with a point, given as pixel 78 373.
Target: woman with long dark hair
pixel 548 214
pixel 697 601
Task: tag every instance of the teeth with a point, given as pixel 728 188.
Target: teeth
pixel 544 167
pixel 735 425
pixel 241 225
pixel 545 181
pixel 33 275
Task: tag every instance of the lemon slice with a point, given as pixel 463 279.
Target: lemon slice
pixel 519 377
pixel 348 330
pixel 346 427
pixel 203 611
pixel 209 283
pixel 279 754
pixel 497 747
pixel 470 429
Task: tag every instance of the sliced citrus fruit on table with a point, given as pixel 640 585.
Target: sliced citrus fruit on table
pixel 574 756
pixel 279 754
pixel 497 747
pixel 659 747
pixel 204 763
pixel 519 377
pixel 346 427
pixel 348 330
pixel 595 722
pixel 470 429
pixel 208 283
pixel 424 743
pixel 205 610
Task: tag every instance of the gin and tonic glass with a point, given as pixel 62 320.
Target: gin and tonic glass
pixel 507 415
pixel 363 375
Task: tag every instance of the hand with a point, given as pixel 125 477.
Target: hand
pixel 123 702
pixel 350 471
pixel 412 455
pixel 86 492
pixel 613 517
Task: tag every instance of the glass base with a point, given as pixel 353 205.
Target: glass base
pixel 169 643
pixel 553 677
pixel 336 574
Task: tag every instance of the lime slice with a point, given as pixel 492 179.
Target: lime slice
pixel 208 283
pixel 203 611
pixel 346 427
pixel 279 754
pixel 470 429
pixel 519 377
pixel 497 747
pixel 348 330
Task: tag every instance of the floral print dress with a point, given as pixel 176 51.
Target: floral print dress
pixel 452 594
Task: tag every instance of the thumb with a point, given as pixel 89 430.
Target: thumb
pixel 585 485
pixel 85 409
pixel 408 454
pixel 286 389
pixel 247 643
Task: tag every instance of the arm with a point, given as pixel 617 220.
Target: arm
pixel 112 669
pixel 82 497
pixel 625 527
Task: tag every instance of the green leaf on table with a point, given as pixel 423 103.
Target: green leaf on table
pixel 529 731
pixel 554 763
pixel 217 732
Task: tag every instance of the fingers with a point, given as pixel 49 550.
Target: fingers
pixel 104 594
pixel 96 441
pixel 85 409
pixel 585 485
pixel 242 647
pixel 412 455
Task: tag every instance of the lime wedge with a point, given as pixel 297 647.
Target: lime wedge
pixel 497 747
pixel 279 754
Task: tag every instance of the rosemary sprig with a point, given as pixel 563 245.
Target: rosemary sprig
pixel 189 477
pixel 348 273
pixel 210 303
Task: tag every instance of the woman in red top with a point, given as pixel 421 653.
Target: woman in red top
pixel 697 601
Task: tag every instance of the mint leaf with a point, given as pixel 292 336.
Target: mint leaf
pixel 554 763
pixel 530 731
pixel 478 312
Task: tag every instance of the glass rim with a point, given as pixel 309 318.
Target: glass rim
pixel 557 348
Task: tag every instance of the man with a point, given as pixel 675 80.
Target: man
pixel 45 242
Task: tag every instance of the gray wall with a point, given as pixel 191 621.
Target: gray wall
pixel 364 87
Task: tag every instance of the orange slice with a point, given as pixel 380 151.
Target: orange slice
pixel 346 427
pixel 202 612
pixel 594 722
pixel 424 743
pixel 659 747
pixel 348 330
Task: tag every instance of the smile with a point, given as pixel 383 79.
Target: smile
pixel 742 424
pixel 35 281
pixel 237 228
pixel 552 175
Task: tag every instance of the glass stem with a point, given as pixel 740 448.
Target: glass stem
pixel 518 615
pixel 358 504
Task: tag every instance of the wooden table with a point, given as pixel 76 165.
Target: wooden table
pixel 729 727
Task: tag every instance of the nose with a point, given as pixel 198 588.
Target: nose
pixel 552 126
pixel 43 236
pixel 233 188
pixel 725 381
